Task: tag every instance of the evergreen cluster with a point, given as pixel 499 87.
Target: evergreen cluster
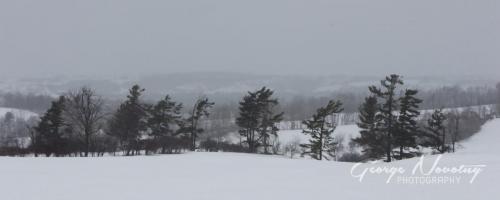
pixel 76 125
pixel 258 119
pixel 388 120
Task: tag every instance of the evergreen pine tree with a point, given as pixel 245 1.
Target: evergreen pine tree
pixel 371 138
pixel 386 114
pixel 269 119
pixel 321 131
pixel 200 110
pixel 407 130
pixel 436 132
pixel 129 121
pixel 257 120
pixel 50 130
pixel 163 116
pixel 248 121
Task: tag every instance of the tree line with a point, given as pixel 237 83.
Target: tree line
pixel 392 126
pixel 80 123
pixel 77 125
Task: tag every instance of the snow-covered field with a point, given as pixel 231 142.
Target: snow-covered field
pixel 198 176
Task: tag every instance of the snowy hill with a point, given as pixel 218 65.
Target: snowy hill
pixel 18 113
pixel 484 141
pixel 229 176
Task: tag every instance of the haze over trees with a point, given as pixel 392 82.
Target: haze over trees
pixel 392 120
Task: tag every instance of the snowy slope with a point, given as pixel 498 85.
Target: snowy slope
pixel 229 176
pixel 18 113
pixel 485 141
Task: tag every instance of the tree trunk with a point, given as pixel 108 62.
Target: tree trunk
pixel 321 139
pixel 194 123
pixel 401 152
pixel 87 144
pixel 389 128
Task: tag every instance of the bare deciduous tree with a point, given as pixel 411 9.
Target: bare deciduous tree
pixel 84 110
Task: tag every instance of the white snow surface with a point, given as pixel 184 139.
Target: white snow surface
pixel 231 176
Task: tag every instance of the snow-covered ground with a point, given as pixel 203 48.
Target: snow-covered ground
pixel 221 176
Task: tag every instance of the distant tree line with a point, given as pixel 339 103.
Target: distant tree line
pixel 77 124
pixel 300 107
pixel 82 123
pixel 33 102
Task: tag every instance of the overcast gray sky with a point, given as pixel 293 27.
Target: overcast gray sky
pixel 276 36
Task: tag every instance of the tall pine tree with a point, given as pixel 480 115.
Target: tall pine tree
pixel 269 118
pixel 163 117
pixel 129 121
pixel 436 132
pixel 407 129
pixel 320 131
pixel 371 138
pixel 200 110
pixel 386 114
pixel 257 120
pixel 49 140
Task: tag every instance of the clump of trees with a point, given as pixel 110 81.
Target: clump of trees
pixel 393 127
pixel 389 120
pixel 389 123
pixel 72 126
pixel 77 125
pixel 392 123
pixel 258 118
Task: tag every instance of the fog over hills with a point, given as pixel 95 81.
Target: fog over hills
pixel 223 86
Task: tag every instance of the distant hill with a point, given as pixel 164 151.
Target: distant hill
pixel 18 113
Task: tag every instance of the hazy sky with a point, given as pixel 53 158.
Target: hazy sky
pixel 276 36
